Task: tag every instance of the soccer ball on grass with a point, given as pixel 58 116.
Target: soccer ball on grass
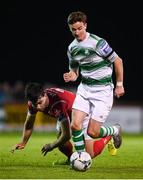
pixel 80 161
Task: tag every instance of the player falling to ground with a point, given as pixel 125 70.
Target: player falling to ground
pixel 56 103
pixel 95 59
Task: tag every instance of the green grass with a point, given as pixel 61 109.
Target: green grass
pixel 30 164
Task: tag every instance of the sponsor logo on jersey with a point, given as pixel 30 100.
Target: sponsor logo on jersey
pixel 107 49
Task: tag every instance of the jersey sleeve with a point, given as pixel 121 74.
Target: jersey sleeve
pixel 104 50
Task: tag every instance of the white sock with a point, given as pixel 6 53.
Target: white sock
pixel 116 130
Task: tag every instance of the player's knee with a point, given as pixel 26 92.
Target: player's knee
pixel 93 133
pixel 75 126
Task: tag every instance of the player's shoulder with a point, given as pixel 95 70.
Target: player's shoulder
pixel 98 41
pixel 60 91
pixel 95 37
pixel 101 43
pixel 54 91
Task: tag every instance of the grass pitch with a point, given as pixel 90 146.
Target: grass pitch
pixel 30 164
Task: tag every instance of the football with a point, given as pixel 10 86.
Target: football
pixel 80 161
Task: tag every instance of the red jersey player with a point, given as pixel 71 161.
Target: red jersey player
pixel 56 102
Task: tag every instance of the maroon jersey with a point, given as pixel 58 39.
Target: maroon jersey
pixel 60 103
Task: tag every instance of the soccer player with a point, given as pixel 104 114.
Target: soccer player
pixel 93 57
pixel 56 102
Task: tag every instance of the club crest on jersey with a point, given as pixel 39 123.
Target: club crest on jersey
pixel 86 52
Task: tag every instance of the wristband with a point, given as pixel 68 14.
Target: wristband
pixel 119 83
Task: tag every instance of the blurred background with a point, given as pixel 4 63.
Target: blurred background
pixel 34 37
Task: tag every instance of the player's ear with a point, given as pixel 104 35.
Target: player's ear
pixel 70 28
pixel 85 25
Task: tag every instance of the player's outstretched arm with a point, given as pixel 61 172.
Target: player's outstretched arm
pixel 62 139
pixel 27 131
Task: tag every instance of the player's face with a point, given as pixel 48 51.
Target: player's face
pixel 42 102
pixel 78 30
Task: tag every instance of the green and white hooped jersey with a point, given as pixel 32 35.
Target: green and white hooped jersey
pixel 94 57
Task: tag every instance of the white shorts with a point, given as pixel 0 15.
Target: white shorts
pixel 95 101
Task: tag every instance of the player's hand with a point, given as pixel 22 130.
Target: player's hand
pixel 119 91
pixel 66 77
pixel 70 76
pixel 46 148
pixel 18 146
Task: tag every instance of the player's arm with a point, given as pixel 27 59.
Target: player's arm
pixel 62 139
pixel 27 131
pixel 73 74
pixel 65 133
pixel 119 88
pixel 104 50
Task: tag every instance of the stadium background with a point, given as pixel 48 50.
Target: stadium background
pixel 34 40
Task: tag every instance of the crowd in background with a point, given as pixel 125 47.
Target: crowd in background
pixel 11 93
pixel 13 102
pixel 14 93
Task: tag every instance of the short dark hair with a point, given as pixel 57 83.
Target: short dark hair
pixel 32 91
pixel 77 16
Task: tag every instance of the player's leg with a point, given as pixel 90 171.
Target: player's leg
pixel 67 149
pixel 95 147
pixel 95 130
pixel 79 112
pixel 77 132
pixel 99 113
